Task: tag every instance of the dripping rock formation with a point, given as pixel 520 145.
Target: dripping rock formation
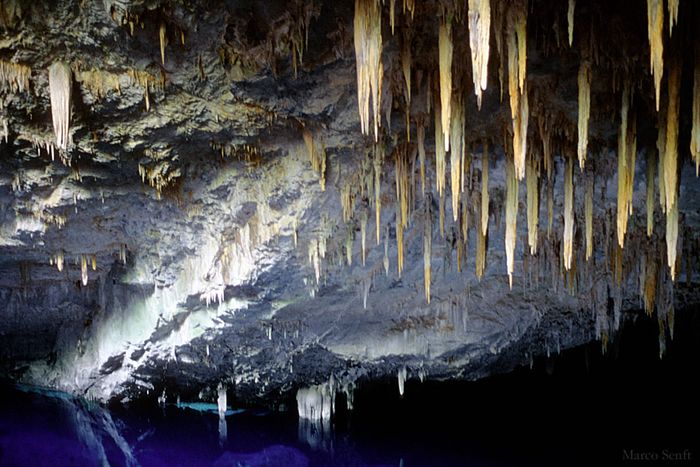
pixel 254 195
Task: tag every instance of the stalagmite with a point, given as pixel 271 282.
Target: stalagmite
pixel 485 189
pixel 672 238
pixel 368 56
pixel 511 216
pixel 588 214
pixel 456 154
pixel 655 30
pixel 568 213
pixel 445 66
pixel 584 109
pixel 651 173
pixel 479 34
pixel 440 154
pixel 427 245
pixel 533 206
pixel 695 132
pixel 161 34
pixel 671 148
pixel 672 15
pixel 60 89
pixel 570 20
pixel 517 61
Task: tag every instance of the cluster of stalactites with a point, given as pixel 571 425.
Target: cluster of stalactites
pixel 317 157
pixel 14 77
pixel 479 33
pixel 368 56
pixel 60 84
pixel 516 43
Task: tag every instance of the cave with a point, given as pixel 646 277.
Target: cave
pixel 351 232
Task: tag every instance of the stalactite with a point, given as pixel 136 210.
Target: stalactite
pixel 83 270
pixel 427 244
pixel 485 189
pixel 347 199
pixel 445 67
pixel 456 153
pixel 442 215
pixel 672 15
pixel 363 234
pixel 570 20
pixel 650 272
pixel 588 214
pixel 517 60
pixel 481 244
pixel 402 186
pixel 440 166
pixel 511 216
pixel 660 153
pixel 122 253
pixel 386 251
pixel 672 238
pixel 421 152
pixel 568 213
pixel 316 157
pixel 651 169
pixel 479 34
pixel 671 146
pixel 161 34
pixel 14 77
pixel 392 15
pixel 533 206
pixel 377 165
pixel 695 132
pixel 584 109
pixel 626 154
pixel 406 64
pixel 60 84
pixel 550 206
pixel 368 57
pixel 655 30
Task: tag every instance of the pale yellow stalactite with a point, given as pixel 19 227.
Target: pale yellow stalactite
pixel 480 253
pixel 440 166
pixel 14 77
pixel 570 20
pixel 695 132
pixel 406 63
pixel 60 84
pixel 479 34
pixel 83 270
pixel 584 109
pixel 377 164
pixel 661 152
pixel 651 169
pixel 671 147
pixel 456 154
pixel 517 60
pixel 588 214
pixel 421 152
pixel 672 238
pixel 368 57
pixel 445 54
pixel 392 15
pixel 672 15
pixel 93 262
pixel 316 157
pixel 625 166
pixel 363 235
pixel 650 271
pixel 161 33
pixel 550 206
pixel 485 189
pixel 427 247
pixel 533 205
pixel 511 216
pixel 568 213
pixel 655 33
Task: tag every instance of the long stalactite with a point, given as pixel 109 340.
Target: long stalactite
pixel 588 217
pixel 655 33
pixel 516 44
pixel 695 132
pixel 533 203
pixel 584 110
pixel 456 154
pixel 479 33
pixel 60 85
pixel 445 50
pixel 368 57
pixel 671 147
pixel 626 154
pixel 511 216
pixel 568 213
